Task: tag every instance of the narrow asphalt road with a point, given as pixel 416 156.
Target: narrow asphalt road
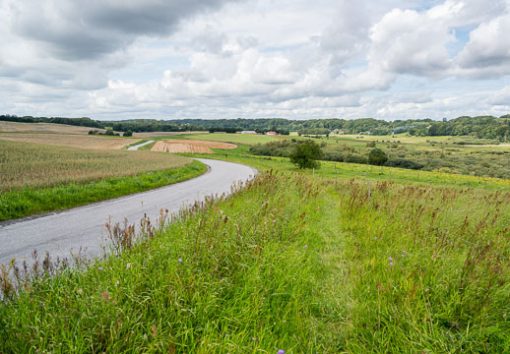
pixel 138 146
pixel 84 227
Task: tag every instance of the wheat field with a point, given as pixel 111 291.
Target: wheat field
pixel 32 165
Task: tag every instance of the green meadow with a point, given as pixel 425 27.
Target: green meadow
pixel 348 258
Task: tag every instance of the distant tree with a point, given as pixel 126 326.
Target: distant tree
pixel 128 133
pixel 377 157
pixel 306 154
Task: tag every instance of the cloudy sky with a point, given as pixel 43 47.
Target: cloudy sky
pixel 389 59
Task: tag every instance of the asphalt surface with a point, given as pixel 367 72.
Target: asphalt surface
pixel 138 146
pixel 84 227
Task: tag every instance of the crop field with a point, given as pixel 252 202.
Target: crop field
pixel 147 135
pixel 32 165
pixel 37 178
pixel 295 262
pixel 43 128
pixel 190 146
pixel 74 141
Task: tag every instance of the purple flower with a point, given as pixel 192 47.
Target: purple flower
pixel 281 351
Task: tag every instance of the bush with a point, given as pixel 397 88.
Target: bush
pixel 355 159
pixel 377 157
pixel 276 148
pixel 127 133
pixel 305 154
pixel 403 163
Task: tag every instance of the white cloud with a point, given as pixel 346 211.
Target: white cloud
pixel 488 48
pixel 230 58
pixel 408 42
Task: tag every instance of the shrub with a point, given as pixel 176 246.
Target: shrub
pixel 306 154
pixel 355 159
pixel 377 157
pixel 403 163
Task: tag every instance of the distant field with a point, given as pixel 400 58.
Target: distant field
pixel 75 141
pixel 44 128
pixel 460 155
pixel 161 134
pixel 60 135
pixel 191 147
pixel 247 139
pixel 39 178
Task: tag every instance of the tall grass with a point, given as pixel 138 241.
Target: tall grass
pixel 30 201
pixel 36 178
pixel 25 165
pixel 292 262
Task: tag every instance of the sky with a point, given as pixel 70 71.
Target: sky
pixel 296 59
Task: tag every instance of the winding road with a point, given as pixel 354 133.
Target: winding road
pixel 84 227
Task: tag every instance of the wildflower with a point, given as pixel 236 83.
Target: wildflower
pixel 390 260
pixel 281 351
pixel 106 295
pixel 180 260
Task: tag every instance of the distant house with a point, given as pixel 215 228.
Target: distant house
pixel 248 132
pixel 339 132
pixel 271 133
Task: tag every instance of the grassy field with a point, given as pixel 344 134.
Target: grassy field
pixel 460 155
pixel 37 178
pixel 347 258
pixel 293 262
pixel 248 139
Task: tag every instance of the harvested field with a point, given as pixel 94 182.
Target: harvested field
pixel 191 146
pixel 44 128
pixel 75 141
pixel 157 134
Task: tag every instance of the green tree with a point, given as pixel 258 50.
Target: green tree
pixel 128 133
pixel 306 154
pixel 377 157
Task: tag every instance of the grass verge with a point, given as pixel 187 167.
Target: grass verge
pixel 294 262
pixel 22 202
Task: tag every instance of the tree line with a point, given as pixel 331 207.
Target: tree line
pixel 486 127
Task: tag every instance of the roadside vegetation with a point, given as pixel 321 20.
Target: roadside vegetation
pixel 293 262
pixel 37 178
